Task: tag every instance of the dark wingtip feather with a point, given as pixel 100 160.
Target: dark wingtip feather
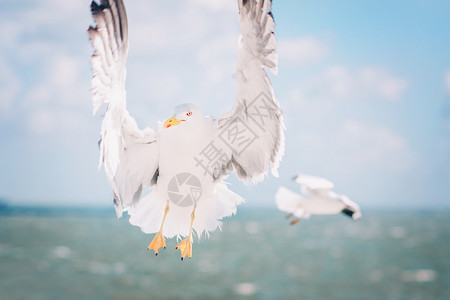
pixel 271 15
pixel 116 202
pixel 91 29
pixel 95 8
pixel 348 212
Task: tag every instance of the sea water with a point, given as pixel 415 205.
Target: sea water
pixel 88 254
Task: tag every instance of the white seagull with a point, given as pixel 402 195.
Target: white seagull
pixel 186 159
pixel 318 198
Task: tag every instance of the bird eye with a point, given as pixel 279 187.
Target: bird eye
pixel 189 114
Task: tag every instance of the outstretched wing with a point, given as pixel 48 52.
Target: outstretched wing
pixel 313 185
pixel 254 130
pixel 129 155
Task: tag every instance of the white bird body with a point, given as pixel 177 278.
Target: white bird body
pixel 185 161
pixel 317 199
pixel 192 138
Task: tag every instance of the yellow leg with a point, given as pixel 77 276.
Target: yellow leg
pixel 185 246
pixel 158 241
pixel 295 221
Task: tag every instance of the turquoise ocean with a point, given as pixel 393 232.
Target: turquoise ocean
pixel 49 253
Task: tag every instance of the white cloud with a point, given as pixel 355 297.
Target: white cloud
pixel 48 12
pixel 9 32
pixel 184 52
pixel 356 144
pixel 447 80
pixel 340 83
pixel 41 121
pixel 64 71
pixel 338 80
pixel 39 94
pixel 60 84
pixel 10 87
pixel 45 59
pixel 380 81
pixel 372 144
pixel 303 50
pixel 51 121
pixel 217 5
pixel 218 57
pixel 156 27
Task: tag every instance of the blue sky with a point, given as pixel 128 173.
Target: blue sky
pixel 364 87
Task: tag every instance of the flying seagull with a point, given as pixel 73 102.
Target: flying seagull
pixel 318 198
pixel 185 160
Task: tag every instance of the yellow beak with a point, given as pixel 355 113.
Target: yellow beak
pixel 172 122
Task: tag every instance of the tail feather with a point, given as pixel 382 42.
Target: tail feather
pixel 149 211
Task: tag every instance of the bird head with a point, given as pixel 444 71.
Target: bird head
pixel 186 113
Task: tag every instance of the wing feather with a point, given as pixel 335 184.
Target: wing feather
pixel 314 185
pixel 129 155
pixel 253 130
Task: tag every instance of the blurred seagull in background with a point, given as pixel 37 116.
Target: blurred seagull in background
pixel 318 198
pixel 186 158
